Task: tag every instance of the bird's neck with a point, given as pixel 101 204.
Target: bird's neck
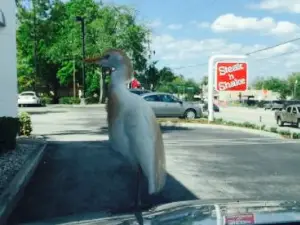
pixel 119 78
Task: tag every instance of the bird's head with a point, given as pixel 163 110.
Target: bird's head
pixel 118 61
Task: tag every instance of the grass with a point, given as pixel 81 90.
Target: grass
pixel 285 134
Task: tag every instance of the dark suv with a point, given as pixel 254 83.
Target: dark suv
pixel 139 91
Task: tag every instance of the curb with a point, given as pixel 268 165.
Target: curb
pixel 13 193
pixel 75 105
pixel 223 127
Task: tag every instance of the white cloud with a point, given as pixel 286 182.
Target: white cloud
pixel 154 24
pixel 200 24
pixel 175 26
pixel 292 6
pixel 180 53
pixel 267 25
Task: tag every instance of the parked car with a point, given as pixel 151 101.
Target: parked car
pixel 28 98
pixel 289 115
pixel 167 105
pixel 275 105
pixel 139 91
pixel 215 107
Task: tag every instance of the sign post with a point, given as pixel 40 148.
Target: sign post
pixel 230 76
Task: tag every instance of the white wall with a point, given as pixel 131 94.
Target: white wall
pixel 8 61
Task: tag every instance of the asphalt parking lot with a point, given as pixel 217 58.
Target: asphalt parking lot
pixel 79 174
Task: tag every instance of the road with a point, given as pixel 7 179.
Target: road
pixel 255 116
pixel 79 174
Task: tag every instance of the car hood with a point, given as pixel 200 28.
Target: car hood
pixel 199 212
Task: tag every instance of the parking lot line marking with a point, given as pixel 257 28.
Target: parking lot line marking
pixel 178 138
pixel 203 143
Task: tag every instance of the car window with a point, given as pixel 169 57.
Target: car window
pixel 167 98
pixel 294 110
pixel 288 109
pixel 298 109
pixel 27 94
pixel 152 98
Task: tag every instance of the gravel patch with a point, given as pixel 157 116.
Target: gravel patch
pixel 11 162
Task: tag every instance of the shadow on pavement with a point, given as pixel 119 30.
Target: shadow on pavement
pixel 104 130
pixel 84 177
pixel 168 129
pixel 43 112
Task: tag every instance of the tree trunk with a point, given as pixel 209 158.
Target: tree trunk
pixel 74 79
pixel 101 87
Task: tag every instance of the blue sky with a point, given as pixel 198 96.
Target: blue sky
pixel 186 33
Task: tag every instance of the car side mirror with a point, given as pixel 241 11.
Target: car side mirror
pixel 180 102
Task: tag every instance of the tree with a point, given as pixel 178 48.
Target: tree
pixel 58 41
pixel 293 82
pixel 274 84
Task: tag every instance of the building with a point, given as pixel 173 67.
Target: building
pixel 229 96
pixel 245 95
pixel 8 59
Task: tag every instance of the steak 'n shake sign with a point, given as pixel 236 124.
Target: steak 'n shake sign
pixel 231 76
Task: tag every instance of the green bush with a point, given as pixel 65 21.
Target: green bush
pixel 250 125
pixel 25 124
pixel 45 100
pixel 273 130
pixel 8 133
pixel 92 100
pixel 69 100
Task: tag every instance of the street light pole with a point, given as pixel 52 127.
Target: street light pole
pixel 82 23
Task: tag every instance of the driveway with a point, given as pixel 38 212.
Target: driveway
pixel 79 174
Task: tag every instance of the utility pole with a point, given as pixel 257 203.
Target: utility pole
pixel 82 23
pixel 35 43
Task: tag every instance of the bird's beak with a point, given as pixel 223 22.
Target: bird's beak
pixel 101 60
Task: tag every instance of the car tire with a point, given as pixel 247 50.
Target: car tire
pixel 190 114
pixel 279 122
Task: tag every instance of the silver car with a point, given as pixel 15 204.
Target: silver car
pixel 167 105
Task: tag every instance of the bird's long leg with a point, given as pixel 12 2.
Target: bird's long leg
pixel 138 213
pixel 138 188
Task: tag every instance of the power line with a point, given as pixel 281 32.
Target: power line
pixel 274 46
pixel 251 53
pixel 275 56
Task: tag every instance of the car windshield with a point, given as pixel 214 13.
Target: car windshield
pixel 116 107
pixel 27 94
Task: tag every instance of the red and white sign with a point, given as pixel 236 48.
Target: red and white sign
pixel 240 219
pixel 231 76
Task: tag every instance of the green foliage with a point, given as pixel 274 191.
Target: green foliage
pixel 69 100
pixel 52 28
pixel 179 85
pixel 45 100
pixel 285 87
pixel 8 133
pixel 92 100
pixel 25 124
